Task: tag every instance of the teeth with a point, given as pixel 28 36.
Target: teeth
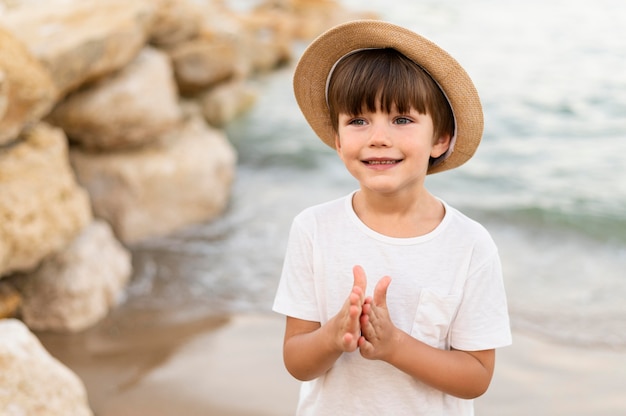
pixel 381 162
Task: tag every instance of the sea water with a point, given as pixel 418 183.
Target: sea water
pixel 548 181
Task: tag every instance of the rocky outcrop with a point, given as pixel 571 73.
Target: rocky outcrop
pixel 109 81
pixel 32 382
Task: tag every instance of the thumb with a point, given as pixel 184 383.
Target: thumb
pixel 360 279
pixel 380 291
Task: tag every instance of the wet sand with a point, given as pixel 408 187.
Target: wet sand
pixel 232 366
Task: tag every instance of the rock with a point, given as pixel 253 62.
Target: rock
pixel 262 41
pixel 204 61
pixel 26 89
pixel 81 40
pixel 75 288
pixel 266 40
pixel 42 207
pixel 176 21
pixel 310 18
pixel 127 109
pixel 32 382
pixel 226 101
pixel 230 46
pixel 182 179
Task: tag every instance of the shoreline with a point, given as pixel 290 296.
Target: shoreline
pixel 232 366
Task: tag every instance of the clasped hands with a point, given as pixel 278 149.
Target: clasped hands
pixel 364 322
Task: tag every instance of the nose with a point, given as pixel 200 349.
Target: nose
pixel 379 136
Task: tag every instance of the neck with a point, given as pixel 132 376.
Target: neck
pixel 401 216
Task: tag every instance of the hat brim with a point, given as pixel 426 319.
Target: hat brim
pixel 318 59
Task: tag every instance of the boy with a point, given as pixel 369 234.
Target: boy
pixel 396 108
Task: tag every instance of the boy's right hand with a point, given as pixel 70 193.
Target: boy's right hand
pixel 347 321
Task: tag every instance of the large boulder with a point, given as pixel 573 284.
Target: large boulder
pixel 127 109
pixel 183 178
pixel 81 40
pixel 77 287
pixel 32 382
pixel 26 89
pixel 42 207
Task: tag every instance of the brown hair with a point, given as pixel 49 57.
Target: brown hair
pixel 385 79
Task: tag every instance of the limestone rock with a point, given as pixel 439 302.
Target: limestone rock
pixel 26 90
pixel 226 101
pixel 32 382
pixel 75 288
pixel 182 179
pixel 42 207
pixel 266 41
pixel 176 21
pixel 127 109
pixel 261 41
pixel 81 40
pixel 310 18
pixel 204 61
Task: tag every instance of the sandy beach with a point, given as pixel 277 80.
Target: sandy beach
pixel 232 366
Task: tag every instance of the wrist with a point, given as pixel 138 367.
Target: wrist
pixel 396 342
pixel 332 337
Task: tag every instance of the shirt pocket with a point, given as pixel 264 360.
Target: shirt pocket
pixel 433 318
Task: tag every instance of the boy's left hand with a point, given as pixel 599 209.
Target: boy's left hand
pixel 378 338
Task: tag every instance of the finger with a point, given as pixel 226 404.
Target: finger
pixel 380 292
pixel 355 297
pixel 349 342
pixel 360 279
pixel 361 341
pixel 365 348
pixel 364 321
pixel 366 326
pixel 366 308
pixel 354 312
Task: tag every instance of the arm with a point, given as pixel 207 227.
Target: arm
pixel 464 374
pixel 311 349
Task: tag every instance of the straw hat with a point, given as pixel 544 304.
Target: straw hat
pixel 319 58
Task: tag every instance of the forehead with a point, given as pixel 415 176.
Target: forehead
pixel 378 79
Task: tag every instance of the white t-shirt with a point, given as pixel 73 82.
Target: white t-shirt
pixel 446 290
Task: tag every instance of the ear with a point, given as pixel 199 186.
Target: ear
pixel 337 142
pixel 440 146
pixel 338 147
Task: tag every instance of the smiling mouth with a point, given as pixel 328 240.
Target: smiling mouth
pixel 381 162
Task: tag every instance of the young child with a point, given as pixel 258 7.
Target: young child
pixel 394 300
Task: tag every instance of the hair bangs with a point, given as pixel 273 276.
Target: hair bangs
pixel 385 80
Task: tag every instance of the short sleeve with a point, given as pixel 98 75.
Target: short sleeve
pixel 296 293
pixel 482 321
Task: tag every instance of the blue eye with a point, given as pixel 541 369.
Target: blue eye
pixel 403 120
pixel 357 121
